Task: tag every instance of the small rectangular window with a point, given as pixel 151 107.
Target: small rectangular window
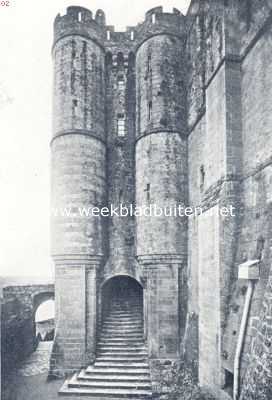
pixel 153 18
pixel 149 63
pixel 80 16
pixel 147 190
pixel 108 35
pixel 121 83
pixel 149 110
pixel 75 108
pixel 121 125
pixel 132 35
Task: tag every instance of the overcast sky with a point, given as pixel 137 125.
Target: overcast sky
pixel 25 121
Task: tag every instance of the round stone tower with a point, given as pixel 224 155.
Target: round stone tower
pixel 78 181
pixel 161 175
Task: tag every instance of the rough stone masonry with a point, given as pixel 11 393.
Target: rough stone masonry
pixel 176 110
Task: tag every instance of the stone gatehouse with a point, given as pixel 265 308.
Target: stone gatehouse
pixel 175 111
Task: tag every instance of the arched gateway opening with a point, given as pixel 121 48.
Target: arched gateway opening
pixel 122 294
pixel 121 335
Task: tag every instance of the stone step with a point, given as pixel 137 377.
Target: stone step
pixel 77 382
pixel 125 349
pixel 127 352
pixel 114 377
pixel 118 321
pixel 126 310
pixel 121 364
pixel 118 342
pixel 137 336
pixel 125 303
pixel 123 353
pixel 132 316
pixel 110 333
pixel 104 392
pixel 124 313
pixel 121 329
pixel 112 345
pixel 121 360
pixel 110 342
pixel 122 356
pixel 120 324
pixel 143 370
pixel 123 320
pixel 121 369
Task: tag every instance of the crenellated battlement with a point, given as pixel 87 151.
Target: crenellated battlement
pixel 74 14
pixel 81 21
pixel 158 11
pixel 159 22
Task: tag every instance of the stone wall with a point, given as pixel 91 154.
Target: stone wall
pixel 121 101
pixel 258 377
pixel 255 224
pixel 19 306
pixel 242 74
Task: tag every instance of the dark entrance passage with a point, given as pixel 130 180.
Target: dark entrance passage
pixel 121 366
pixel 121 293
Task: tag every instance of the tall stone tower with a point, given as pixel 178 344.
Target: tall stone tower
pixel 119 132
pixel 161 175
pixel 78 180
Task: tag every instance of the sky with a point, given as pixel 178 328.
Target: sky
pixel 26 34
pixel 45 311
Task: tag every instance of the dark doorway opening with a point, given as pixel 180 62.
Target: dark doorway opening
pixel 122 291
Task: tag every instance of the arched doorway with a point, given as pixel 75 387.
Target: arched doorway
pixel 121 341
pixel 44 320
pixel 122 293
pixel 43 327
pixel 43 317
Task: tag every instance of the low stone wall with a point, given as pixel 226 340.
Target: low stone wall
pixel 257 384
pixel 175 380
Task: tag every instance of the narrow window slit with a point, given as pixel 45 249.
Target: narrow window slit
pixel 149 110
pixel 147 191
pixel 121 125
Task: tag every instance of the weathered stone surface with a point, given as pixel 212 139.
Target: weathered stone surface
pixel 18 335
pixel 193 97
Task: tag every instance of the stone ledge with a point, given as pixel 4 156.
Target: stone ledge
pixel 151 259
pixel 77 259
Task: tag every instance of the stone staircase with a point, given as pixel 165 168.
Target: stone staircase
pixel 121 369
